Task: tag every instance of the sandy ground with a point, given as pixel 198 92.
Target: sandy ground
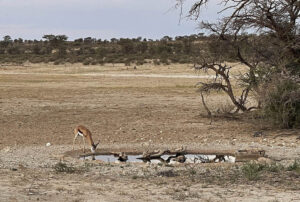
pixel 151 107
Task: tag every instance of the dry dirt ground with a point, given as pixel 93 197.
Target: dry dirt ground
pixel 126 109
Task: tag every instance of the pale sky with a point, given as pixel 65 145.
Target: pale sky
pixel 105 19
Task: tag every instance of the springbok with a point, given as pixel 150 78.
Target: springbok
pixel 85 133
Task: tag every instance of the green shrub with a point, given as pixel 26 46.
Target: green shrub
pixel 127 62
pixel 86 62
pixel 156 62
pixel 101 62
pixel 94 62
pixel 36 59
pixel 140 62
pixel 59 61
pixel 2 50
pixel 282 103
pixel 252 171
pixel 164 61
pixel 294 67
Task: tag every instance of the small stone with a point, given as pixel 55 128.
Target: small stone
pixel 48 144
pixel 6 149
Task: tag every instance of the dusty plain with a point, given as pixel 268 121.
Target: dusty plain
pixel 129 109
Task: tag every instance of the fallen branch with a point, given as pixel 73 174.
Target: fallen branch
pixel 122 157
pixel 157 155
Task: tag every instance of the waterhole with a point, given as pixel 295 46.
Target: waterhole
pixel 187 158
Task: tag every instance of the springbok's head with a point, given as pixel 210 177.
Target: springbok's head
pixel 94 146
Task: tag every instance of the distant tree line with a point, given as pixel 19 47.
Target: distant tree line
pixel 91 51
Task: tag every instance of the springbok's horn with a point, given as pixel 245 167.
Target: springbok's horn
pixel 97 143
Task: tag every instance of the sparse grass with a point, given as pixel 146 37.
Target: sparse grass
pixel 87 166
pixel 274 167
pixel 61 167
pixel 294 167
pixel 226 108
pixel 252 171
pixel 167 173
pixel 191 171
pixel 60 189
pixel 134 177
pixel 161 182
pixel 180 196
pixel 274 200
pixel 184 194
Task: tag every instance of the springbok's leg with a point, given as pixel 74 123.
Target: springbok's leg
pixel 74 140
pixel 83 139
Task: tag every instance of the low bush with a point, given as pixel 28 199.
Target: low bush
pixel 281 103
pixel 61 167
pixel 252 171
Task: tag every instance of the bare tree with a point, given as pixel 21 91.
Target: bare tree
pixel 275 44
